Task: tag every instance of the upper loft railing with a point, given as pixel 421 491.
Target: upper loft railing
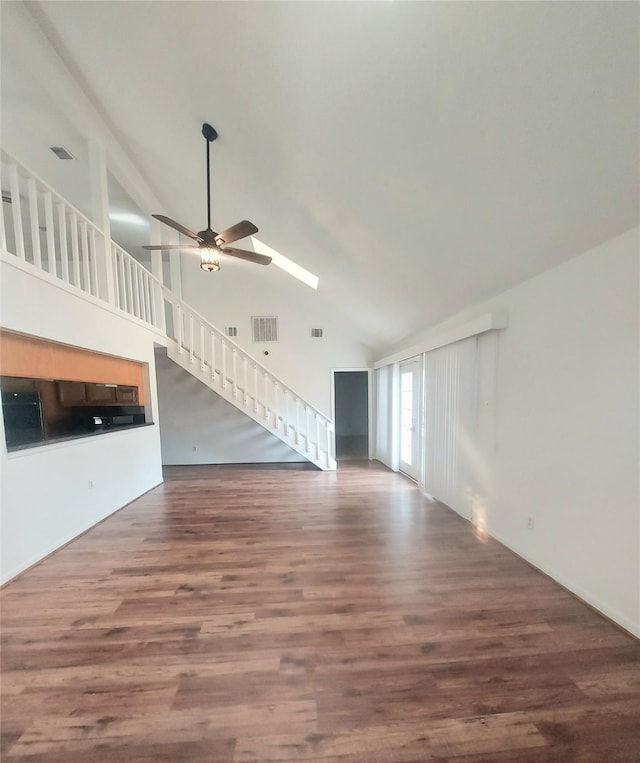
pixel 44 232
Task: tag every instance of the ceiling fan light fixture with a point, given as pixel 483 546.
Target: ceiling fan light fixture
pixel 209 259
pixel 208 241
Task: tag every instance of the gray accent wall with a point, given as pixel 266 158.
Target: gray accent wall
pixel 197 426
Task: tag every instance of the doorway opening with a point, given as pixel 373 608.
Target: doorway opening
pixel 351 414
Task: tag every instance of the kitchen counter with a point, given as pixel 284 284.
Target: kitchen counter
pixel 76 436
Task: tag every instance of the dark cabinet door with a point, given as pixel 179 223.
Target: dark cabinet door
pixel 127 395
pixel 71 393
pixel 101 393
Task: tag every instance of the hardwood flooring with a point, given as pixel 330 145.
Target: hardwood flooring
pixel 241 614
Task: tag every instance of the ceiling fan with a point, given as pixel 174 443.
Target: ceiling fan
pixel 211 244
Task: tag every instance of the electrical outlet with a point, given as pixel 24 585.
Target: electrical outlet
pixel 90 484
pixel 529 523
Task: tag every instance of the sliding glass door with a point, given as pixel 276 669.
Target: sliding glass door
pixel 410 405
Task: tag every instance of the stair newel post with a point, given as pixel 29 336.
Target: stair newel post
pixel 276 419
pixel 224 364
pixel 328 428
pixel 297 421
pixel 255 389
pixel 180 327
pixel 213 356
pixel 202 363
pixel 234 372
pixel 245 370
pixel 191 338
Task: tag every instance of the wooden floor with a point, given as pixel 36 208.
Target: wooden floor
pixel 292 615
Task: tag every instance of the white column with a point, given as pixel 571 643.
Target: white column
pixel 100 210
pixel 155 237
pixel 175 273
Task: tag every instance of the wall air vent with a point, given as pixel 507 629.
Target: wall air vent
pixel 6 197
pixel 61 152
pixel 231 330
pixel 265 328
pixel 316 333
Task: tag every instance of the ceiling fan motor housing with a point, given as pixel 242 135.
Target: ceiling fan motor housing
pixel 208 238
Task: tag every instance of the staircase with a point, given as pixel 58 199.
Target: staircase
pixel 213 358
pixel 49 237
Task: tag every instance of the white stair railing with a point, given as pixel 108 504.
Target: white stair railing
pixel 43 231
pixel 136 291
pixel 225 367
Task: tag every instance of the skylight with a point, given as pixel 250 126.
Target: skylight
pixel 127 217
pixel 285 263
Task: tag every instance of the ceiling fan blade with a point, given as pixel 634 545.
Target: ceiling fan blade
pixel 171 246
pixel 176 226
pixel 241 254
pixel 239 230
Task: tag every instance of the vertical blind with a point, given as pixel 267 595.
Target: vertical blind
pixel 383 415
pixel 450 423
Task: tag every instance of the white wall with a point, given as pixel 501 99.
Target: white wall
pixel 200 427
pixel 46 495
pixel 557 437
pixel 241 290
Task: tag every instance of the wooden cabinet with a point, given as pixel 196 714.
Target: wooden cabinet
pixel 14 384
pixel 71 392
pixel 89 393
pixel 104 394
pixel 127 395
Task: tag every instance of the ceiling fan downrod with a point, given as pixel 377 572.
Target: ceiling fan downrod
pixel 210 135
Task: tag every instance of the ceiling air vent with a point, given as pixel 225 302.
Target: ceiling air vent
pixel 316 333
pixel 231 330
pixel 61 152
pixel 265 328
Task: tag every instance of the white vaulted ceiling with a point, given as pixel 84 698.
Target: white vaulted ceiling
pixel 416 156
